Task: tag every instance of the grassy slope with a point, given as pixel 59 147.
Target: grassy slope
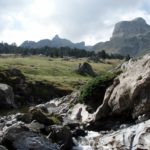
pixel 56 71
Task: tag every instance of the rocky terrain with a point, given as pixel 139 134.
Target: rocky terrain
pixel 55 42
pixel 129 37
pixel 120 122
pixel 16 90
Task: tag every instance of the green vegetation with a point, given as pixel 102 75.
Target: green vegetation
pixel 56 52
pixel 55 71
pixel 93 92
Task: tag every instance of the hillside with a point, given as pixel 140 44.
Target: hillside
pixel 129 37
pixel 56 71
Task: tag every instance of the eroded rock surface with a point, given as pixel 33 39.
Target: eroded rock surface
pixel 136 137
pixel 129 94
pixel 6 96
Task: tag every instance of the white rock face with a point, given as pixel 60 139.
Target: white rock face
pixel 130 92
pixel 131 138
pixel 134 137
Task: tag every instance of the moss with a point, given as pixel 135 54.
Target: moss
pixel 55 120
pixel 93 92
pixel 44 118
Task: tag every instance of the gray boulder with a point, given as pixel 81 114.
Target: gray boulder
pixel 6 96
pixel 129 95
pixel 62 135
pixel 22 139
pixel 86 69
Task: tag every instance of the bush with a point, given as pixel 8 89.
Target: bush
pixel 93 92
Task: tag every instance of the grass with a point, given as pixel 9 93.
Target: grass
pixel 56 71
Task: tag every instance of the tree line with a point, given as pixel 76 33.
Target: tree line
pixel 56 52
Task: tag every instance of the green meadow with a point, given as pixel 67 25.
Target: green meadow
pixel 57 71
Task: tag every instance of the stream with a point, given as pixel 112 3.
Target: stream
pixel 87 142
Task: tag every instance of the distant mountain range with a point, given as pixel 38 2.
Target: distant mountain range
pixel 129 37
pixel 55 42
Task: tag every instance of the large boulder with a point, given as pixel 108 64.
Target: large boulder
pixel 22 139
pixel 86 69
pixel 129 95
pixel 62 135
pixel 6 96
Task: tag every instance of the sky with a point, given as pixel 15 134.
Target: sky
pixel 91 21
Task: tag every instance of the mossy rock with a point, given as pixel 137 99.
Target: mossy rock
pixel 93 92
pixel 44 118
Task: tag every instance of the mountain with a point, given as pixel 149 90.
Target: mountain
pixel 129 37
pixel 55 42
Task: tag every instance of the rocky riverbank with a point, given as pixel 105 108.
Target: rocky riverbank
pixel 122 121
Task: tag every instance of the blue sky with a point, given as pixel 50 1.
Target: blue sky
pixel 91 21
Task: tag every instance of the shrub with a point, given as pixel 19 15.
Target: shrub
pixel 93 92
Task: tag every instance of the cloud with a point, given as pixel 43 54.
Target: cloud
pixel 78 20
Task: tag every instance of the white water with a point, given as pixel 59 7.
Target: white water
pixel 87 142
pixel 85 116
pixel 133 138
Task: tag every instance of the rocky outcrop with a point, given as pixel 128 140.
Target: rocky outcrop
pixel 86 69
pixel 42 126
pixel 126 29
pixel 6 96
pixel 129 37
pixel 27 92
pixel 129 95
pixel 18 137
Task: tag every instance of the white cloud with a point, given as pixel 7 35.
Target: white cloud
pixel 78 20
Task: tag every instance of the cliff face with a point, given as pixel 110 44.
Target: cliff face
pixel 126 29
pixel 129 37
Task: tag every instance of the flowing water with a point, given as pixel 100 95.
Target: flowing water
pixel 88 142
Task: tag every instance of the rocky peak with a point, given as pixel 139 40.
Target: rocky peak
pixel 56 37
pixel 140 20
pixel 125 29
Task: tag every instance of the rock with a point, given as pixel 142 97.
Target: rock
pixel 43 118
pixel 62 135
pixel 3 148
pixel 27 117
pixel 16 72
pixel 135 137
pixel 129 97
pixel 79 132
pixel 6 96
pixel 130 28
pixel 22 139
pixel 86 69
pixel 36 126
pixel 128 38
